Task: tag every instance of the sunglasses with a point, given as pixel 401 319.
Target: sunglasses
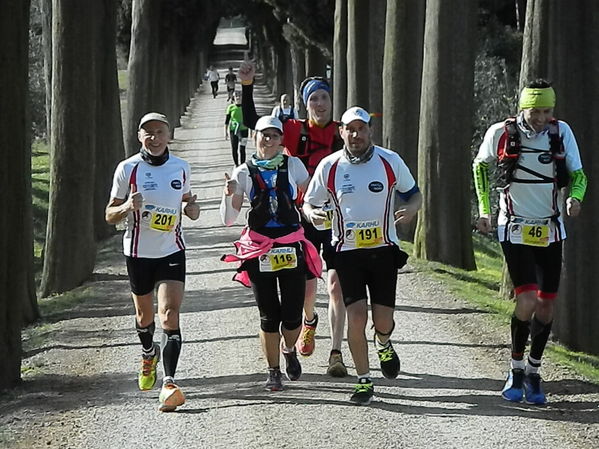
pixel 271 136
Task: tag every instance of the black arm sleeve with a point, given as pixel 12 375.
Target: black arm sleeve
pixel 227 119
pixel 250 117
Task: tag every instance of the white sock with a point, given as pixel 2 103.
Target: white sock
pixel 168 380
pixel 380 345
pixel 287 350
pixel 311 322
pixel 363 378
pixel 532 366
pixel 518 364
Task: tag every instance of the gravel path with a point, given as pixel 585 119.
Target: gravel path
pixel 82 392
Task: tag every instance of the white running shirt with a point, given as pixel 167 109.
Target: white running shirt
pixel 155 230
pixel 362 197
pixel 532 200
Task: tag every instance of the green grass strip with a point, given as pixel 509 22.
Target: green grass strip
pixel 481 288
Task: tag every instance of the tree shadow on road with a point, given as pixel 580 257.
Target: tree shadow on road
pixel 481 398
pixel 52 392
pixel 223 298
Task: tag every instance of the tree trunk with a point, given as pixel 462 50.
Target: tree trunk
pixel 358 13
pixel 340 59
pixel 534 62
pixel 16 236
pixel 70 250
pixel 574 67
pixel 443 232
pixel 520 9
pixel 166 80
pixel 375 62
pixel 299 73
pixel 401 85
pixel 401 81
pixel 289 74
pixel 316 63
pixel 142 68
pixel 46 10
pixel 506 288
pixel 109 128
pixel 282 50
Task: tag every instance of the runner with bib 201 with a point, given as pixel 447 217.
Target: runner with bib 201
pixel 538 162
pixel 148 191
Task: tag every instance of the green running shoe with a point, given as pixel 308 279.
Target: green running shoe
pixel 389 361
pixel 147 373
pixel 363 392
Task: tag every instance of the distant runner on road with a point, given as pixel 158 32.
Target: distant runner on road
pixel 284 110
pixel 310 140
pixel 272 248
pixel 148 191
pixel 213 78
pixel 358 184
pixel 235 130
pixel 537 158
pixel 230 80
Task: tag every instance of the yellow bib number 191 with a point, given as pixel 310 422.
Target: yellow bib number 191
pixel 368 237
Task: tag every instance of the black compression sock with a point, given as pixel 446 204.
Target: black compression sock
pixel 171 351
pixel 539 333
pixel 146 335
pixel 520 332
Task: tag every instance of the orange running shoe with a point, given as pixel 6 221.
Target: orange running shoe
pixel 170 397
pixel 306 341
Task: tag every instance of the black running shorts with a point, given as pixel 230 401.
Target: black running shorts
pixel 373 268
pixel 145 273
pixel 534 267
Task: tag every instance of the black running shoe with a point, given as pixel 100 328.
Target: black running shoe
pixel 273 383
pixel 389 361
pixel 363 392
pixel 293 369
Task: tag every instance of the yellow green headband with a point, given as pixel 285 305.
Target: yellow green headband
pixel 535 97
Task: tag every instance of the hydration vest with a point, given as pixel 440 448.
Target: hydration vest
pixel 304 149
pixel 261 212
pixel 284 117
pixel 510 148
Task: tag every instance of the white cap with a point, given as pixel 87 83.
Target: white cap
pixel 268 121
pixel 153 116
pixel 355 113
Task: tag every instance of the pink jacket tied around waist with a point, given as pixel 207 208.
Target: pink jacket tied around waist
pixel 251 244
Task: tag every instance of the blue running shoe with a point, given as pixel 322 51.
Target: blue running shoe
pixel 513 389
pixel 533 393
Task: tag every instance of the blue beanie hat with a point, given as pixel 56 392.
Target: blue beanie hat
pixel 312 86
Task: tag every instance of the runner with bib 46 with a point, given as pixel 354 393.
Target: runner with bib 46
pixel 537 158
